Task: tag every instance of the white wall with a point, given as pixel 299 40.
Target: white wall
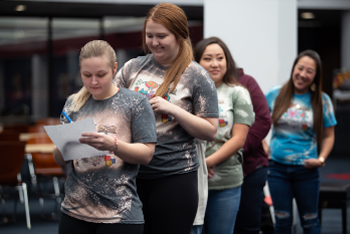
pixel 261 35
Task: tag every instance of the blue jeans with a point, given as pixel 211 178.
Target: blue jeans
pixel 286 182
pixel 249 214
pixel 221 211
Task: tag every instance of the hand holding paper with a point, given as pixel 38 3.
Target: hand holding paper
pixel 66 138
pixel 98 140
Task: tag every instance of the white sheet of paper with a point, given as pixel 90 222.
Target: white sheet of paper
pixel 66 138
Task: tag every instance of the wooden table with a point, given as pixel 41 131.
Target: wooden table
pixel 39 148
pixel 27 135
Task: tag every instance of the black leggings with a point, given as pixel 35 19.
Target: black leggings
pixel 170 203
pixel 70 225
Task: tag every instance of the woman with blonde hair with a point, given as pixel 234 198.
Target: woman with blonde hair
pixel 184 102
pixel 100 192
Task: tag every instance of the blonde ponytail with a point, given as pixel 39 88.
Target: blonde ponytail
pixel 79 99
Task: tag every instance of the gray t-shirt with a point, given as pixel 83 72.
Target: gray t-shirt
pixel 175 150
pixel 102 189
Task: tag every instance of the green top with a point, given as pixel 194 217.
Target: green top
pixel 235 106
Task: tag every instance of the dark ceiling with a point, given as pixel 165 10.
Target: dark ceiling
pixel 323 18
pixel 85 10
pixel 99 10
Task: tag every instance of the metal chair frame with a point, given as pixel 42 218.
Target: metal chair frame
pixel 11 177
pixel 43 168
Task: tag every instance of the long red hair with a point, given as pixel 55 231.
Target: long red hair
pixel 175 20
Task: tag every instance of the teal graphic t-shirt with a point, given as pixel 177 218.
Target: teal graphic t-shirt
pixel 294 139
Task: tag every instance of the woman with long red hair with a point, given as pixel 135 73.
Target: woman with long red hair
pixel 184 102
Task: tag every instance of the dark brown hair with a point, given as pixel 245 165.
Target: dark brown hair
pixel 231 72
pixel 284 97
pixel 175 20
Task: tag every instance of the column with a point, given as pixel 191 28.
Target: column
pixel 261 35
pixel 39 87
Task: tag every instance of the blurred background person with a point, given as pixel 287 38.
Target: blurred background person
pixel 302 138
pixel 224 155
pixel 255 161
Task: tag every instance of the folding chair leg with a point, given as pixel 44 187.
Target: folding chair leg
pixel 295 216
pixel 3 206
pixel 56 186
pixel 26 205
pixel 14 213
pixel 272 210
pixel 41 201
pixel 19 178
pixel 57 190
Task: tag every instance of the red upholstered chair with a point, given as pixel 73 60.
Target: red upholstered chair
pixel 43 168
pixel 11 161
pixel 9 135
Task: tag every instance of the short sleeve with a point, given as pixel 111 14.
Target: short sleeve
pixel 328 112
pixel 205 97
pixel 121 79
pixel 271 95
pixel 67 110
pixel 143 122
pixel 242 107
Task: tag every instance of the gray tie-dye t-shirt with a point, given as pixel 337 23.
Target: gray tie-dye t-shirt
pixel 102 189
pixel 235 107
pixel 175 150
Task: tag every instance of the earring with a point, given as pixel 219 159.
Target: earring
pixel 313 87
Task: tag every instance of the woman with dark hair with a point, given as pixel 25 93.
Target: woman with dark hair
pixel 224 155
pixel 184 102
pixel 302 138
pixel 255 160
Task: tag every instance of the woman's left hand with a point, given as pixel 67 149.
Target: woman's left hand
pixel 161 105
pixel 312 163
pixel 97 140
pixel 210 167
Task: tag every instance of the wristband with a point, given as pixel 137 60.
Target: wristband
pixel 115 145
pixel 323 163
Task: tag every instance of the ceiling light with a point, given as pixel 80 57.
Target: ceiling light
pixel 20 8
pixel 307 15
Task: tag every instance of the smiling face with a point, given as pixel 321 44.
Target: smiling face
pixel 214 61
pixel 97 76
pixel 161 42
pixel 303 74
